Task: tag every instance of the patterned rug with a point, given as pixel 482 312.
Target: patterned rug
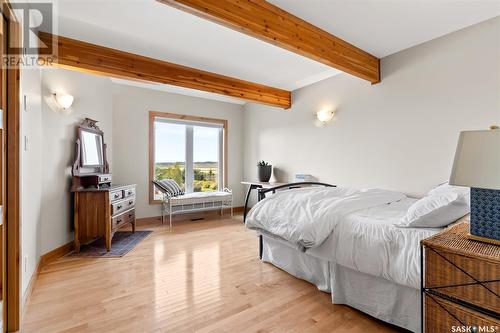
pixel 121 244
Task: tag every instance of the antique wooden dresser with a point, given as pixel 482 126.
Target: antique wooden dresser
pixel 102 211
pixel 100 208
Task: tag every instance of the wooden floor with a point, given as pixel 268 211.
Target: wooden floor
pixel 202 276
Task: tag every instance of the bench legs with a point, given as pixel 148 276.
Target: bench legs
pixel 169 217
pixel 225 205
pixel 164 205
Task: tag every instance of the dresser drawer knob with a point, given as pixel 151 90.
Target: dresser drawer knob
pixel 117 195
pixel 130 192
pixel 131 202
pixel 130 215
pixel 119 207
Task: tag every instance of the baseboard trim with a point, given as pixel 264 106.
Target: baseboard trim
pixel 56 253
pixel 238 209
pixel 29 289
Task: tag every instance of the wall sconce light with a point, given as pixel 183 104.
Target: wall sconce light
pixel 325 115
pixel 64 101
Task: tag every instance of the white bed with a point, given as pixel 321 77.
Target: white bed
pixel 366 261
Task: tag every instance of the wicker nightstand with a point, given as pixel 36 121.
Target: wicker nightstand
pixel 460 283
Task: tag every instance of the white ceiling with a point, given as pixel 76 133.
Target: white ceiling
pixel 381 27
pixel 384 27
pixel 178 90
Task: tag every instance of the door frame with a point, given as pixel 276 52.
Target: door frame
pixel 12 127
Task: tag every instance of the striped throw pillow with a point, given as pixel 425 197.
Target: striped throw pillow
pixel 171 187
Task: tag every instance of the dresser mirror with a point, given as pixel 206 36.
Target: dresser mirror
pixel 91 149
pixel 91 168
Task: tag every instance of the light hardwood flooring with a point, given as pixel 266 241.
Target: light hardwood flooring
pixel 202 276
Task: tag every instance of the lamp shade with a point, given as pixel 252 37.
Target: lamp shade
pixel 477 160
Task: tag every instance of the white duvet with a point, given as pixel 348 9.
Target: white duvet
pixel 368 241
pixel 351 228
pixel 306 217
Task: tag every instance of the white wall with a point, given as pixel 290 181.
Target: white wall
pixel 31 174
pixel 122 113
pixel 93 99
pixel 400 134
pixel 131 106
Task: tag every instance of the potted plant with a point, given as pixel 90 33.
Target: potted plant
pixel 264 171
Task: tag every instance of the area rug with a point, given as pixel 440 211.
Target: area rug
pixel 122 243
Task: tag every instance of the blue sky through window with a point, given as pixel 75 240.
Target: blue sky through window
pixel 206 148
pixel 170 143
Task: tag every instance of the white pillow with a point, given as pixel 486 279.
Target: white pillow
pixel 463 192
pixel 437 209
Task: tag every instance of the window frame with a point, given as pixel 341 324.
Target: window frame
pixel 187 118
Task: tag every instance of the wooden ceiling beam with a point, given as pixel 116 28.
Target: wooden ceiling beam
pixel 262 20
pixel 82 56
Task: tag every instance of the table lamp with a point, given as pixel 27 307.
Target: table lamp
pixel 477 165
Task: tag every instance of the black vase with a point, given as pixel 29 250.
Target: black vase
pixel 264 172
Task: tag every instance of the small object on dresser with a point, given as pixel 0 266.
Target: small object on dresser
pixel 477 165
pixel 460 282
pixel 264 171
pixel 93 181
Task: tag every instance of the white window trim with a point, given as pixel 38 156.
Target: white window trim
pixel 189 164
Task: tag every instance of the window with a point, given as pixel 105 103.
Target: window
pixel 190 150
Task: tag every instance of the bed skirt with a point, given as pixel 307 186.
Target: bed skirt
pixel 296 263
pixel 376 296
